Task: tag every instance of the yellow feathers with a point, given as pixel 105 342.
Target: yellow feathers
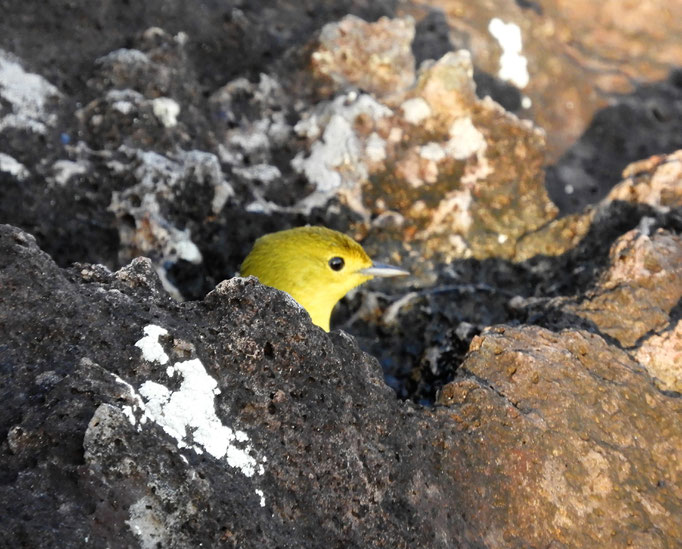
pixel 314 265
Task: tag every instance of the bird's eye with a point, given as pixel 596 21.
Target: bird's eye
pixel 336 263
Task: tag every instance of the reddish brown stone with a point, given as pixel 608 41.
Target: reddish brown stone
pixel 638 290
pixel 560 438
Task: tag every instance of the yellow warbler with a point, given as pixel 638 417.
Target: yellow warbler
pixel 314 265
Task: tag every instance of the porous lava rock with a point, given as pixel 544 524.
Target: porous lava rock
pixel 575 443
pixel 130 420
pixel 135 420
pixel 541 337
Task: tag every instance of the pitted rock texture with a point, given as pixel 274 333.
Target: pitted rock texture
pixel 661 355
pixel 375 57
pixel 644 281
pixel 184 133
pixel 87 459
pixel 580 55
pixel 289 435
pixel 572 435
pixel 656 181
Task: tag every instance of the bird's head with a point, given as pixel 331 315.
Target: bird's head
pixel 315 265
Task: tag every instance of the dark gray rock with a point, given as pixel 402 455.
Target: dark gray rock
pixel 131 420
pixel 636 126
pixel 327 456
pixel 102 445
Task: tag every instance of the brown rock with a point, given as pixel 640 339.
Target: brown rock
pixel 481 187
pixel 375 57
pixel 448 89
pixel 566 441
pixel 656 181
pixel 575 51
pixel 661 355
pixel 641 286
pixel 463 177
pixel 555 238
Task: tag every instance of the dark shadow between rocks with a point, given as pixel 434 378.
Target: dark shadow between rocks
pixel 641 124
pixel 423 348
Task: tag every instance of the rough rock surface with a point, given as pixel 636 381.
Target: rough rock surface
pixel 653 181
pixel 289 436
pixel 644 278
pixel 603 74
pixel 386 63
pixel 544 346
pixel 431 164
pixel 591 448
pixel 661 355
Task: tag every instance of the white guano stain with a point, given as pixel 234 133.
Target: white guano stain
pixel 375 148
pixel 465 139
pixel 513 65
pixel 188 250
pixel 432 151
pixel 415 110
pixel 336 142
pixel 166 111
pixel 191 409
pixel 188 413
pixel 64 170
pixel 28 96
pixel 260 494
pixel 9 164
pixel 152 351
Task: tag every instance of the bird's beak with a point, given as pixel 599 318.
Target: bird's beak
pixel 385 271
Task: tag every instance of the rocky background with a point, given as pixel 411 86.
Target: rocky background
pixel 521 389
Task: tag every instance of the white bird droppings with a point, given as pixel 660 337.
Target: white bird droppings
pixel 513 65
pixel 9 165
pixel 63 170
pixel 27 95
pixel 152 351
pixel 465 140
pixel 188 250
pixel 166 111
pixel 415 110
pixel 375 149
pixel 260 494
pixel 337 144
pixel 432 151
pixel 188 414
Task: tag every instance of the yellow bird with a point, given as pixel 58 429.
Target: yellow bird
pixel 314 265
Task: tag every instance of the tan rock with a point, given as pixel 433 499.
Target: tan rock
pixel 448 89
pixel 463 175
pixel 656 181
pixel 375 57
pixel 575 53
pixel 560 439
pixel 642 284
pixel 555 238
pixel 661 355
